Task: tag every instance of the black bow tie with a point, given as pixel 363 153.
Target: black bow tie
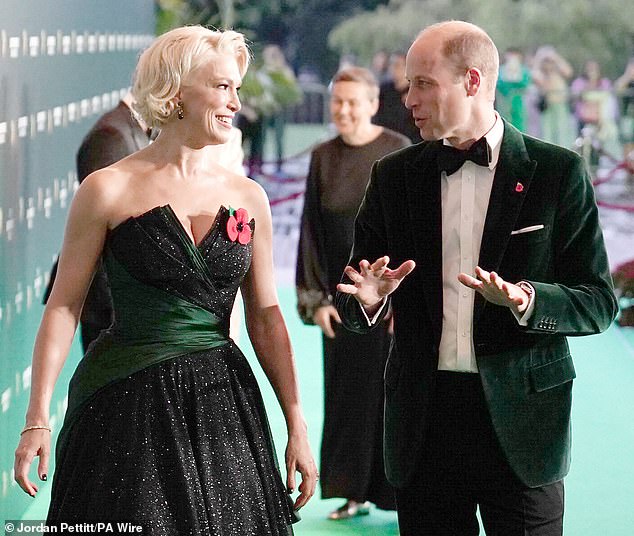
pixel 451 159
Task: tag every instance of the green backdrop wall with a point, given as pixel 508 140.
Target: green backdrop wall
pixel 62 64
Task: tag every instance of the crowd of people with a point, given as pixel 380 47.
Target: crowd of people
pixel 443 254
pixel 542 96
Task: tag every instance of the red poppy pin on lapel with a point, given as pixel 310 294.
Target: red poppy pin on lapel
pixel 519 187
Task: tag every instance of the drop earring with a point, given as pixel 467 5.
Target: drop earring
pixel 179 110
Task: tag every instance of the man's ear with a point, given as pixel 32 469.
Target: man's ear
pixel 473 81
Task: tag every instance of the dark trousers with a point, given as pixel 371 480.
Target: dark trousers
pixel 462 467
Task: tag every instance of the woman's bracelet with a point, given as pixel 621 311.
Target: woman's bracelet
pixel 36 427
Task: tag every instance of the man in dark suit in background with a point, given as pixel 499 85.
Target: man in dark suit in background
pixel 392 112
pixel 116 134
pixel 479 378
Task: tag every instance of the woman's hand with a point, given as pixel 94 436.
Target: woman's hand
pixel 299 458
pixel 32 443
pixel 324 316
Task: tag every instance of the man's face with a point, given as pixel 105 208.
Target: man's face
pixel 351 108
pixel 437 96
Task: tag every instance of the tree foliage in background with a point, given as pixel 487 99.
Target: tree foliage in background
pixel 579 29
pixel 317 32
pixel 301 27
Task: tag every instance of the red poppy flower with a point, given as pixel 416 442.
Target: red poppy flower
pixel 238 227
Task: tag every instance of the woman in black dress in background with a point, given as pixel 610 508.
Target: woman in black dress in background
pixel 351 451
pixel 165 425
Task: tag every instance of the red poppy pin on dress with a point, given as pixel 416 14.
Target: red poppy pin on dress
pixel 238 227
pixel 519 187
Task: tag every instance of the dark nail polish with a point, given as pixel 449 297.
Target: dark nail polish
pixel 44 478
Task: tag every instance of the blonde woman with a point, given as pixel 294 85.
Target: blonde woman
pixel 165 424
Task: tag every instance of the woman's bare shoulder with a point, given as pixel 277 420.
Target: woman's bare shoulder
pixel 252 192
pixel 110 193
pixel 105 184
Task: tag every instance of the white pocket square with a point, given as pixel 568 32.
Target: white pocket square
pixel 527 229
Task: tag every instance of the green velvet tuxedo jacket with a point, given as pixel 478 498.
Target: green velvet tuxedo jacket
pixel 526 372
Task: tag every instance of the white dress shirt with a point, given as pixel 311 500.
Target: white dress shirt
pixel 465 198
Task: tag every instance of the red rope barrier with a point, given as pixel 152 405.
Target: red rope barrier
pixel 621 165
pixel 616 206
pixel 281 180
pixel 284 199
pixel 610 175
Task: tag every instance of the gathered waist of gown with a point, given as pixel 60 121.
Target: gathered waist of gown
pixel 151 326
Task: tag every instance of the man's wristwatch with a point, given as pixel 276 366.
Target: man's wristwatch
pixel 526 287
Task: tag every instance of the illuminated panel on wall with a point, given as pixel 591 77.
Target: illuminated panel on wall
pixel 62 64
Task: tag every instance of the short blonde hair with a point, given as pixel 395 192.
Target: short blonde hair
pixel 466 46
pixel 166 64
pixel 361 75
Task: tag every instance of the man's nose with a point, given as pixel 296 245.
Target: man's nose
pixel 409 99
pixel 344 108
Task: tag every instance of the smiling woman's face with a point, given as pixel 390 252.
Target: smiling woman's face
pixel 210 99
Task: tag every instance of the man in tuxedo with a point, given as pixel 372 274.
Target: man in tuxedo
pixel 499 256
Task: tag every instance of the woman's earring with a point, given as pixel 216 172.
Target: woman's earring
pixel 179 110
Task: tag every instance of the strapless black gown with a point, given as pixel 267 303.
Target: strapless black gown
pixel 166 426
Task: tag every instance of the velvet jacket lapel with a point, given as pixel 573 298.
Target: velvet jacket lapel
pixel 424 205
pixel 511 183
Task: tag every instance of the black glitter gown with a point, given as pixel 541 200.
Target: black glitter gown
pixel 166 426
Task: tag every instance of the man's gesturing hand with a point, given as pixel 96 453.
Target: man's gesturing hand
pixel 373 282
pixel 496 290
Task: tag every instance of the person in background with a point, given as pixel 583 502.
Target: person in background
pixel 624 88
pixel 392 112
pixel 285 91
pixel 513 81
pixel 551 74
pixel 496 257
pixel 594 103
pixel 165 425
pixel 116 134
pixel 380 66
pixel 351 451
pixel 268 89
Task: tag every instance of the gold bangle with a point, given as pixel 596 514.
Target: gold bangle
pixel 36 427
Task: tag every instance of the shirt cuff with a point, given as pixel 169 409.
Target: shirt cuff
pixel 523 318
pixel 372 321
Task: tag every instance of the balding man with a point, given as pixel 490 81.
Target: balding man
pixel 497 257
